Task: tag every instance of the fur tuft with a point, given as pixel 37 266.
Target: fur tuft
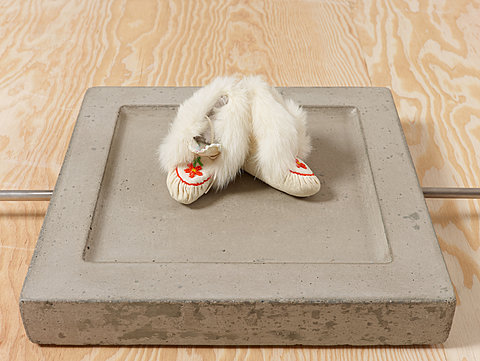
pixel 278 129
pixel 230 123
pixel 232 129
pixel 190 122
pixel 304 144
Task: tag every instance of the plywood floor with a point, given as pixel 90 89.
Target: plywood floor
pixel 427 52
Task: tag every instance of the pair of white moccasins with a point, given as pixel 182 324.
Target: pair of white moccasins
pixel 234 124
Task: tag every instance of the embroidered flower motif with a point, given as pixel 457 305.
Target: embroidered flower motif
pixel 194 169
pixel 300 164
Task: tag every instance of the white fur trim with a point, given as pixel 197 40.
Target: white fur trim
pixel 304 145
pixel 278 129
pixel 231 127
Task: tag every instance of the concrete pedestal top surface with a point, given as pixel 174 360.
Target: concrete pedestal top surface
pixel 120 262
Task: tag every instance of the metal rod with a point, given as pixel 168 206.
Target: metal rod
pixel 428 192
pixel 433 192
pixel 25 195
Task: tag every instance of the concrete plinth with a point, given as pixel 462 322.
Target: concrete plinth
pixel 119 262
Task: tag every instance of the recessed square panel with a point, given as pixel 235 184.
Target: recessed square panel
pixel 135 219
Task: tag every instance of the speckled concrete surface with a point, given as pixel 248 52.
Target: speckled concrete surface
pixel 119 262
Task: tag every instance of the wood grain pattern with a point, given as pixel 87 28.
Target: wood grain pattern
pixel 52 51
pixel 428 53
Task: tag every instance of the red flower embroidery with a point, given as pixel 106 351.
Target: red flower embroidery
pixel 193 171
pixel 300 164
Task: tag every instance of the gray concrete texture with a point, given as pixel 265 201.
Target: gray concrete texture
pixel 118 262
